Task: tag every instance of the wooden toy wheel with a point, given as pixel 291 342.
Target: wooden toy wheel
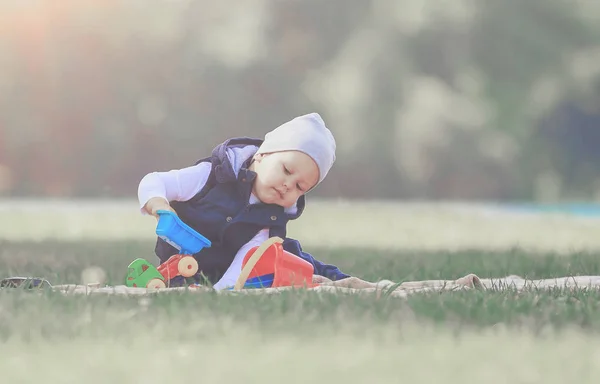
pixel 187 266
pixel 156 284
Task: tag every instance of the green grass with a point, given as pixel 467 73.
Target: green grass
pixel 64 262
pixel 297 336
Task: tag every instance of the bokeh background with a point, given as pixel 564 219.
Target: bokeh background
pixel 462 100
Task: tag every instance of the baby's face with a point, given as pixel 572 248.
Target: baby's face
pixel 282 177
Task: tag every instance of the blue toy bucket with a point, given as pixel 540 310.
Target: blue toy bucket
pixel 264 281
pixel 171 229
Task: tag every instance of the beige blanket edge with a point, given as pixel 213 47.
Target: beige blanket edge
pixel 357 286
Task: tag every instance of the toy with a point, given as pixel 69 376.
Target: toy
pixel 171 229
pixel 179 264
pixel 143 274
pixel 185 239
pixel 271 266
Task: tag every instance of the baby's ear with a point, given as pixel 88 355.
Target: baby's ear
pixel 258 156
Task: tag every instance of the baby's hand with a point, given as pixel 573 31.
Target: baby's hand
pixel 156 204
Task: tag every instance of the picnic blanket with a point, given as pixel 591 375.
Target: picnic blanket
pixel 357 286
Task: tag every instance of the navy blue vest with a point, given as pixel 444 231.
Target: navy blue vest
pixel 221 212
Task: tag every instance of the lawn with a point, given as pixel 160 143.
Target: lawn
pixel 293 337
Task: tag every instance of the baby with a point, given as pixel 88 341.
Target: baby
pixel 244 193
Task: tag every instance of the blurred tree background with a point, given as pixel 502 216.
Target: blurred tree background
pixel 467 100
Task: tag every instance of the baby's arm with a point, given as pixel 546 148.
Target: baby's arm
pixel 234 270
pixel 157 189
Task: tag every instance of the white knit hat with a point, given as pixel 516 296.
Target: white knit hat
pixel 307 134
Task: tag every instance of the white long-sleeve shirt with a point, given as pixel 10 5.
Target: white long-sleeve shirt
pixel 183 184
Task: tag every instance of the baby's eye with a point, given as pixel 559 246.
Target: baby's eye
pixel 287 172
pixel 299 187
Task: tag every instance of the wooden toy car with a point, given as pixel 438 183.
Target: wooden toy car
pixel 178 265
pixel 140 273
pixel 143 274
